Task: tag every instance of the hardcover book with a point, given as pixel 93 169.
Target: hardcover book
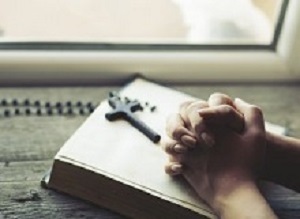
pixel 114 165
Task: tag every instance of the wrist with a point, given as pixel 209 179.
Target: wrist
pixel 225 199
pixel 244 201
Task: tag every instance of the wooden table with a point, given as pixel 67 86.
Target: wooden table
pixel 28 144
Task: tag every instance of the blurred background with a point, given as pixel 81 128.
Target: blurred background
pixel 140 21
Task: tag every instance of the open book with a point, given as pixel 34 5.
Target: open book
pixel 114 165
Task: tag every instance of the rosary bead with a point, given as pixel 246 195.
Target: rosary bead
pixel 37 103
pixel 47 104
pixel 152 108
pixel 81 111
pixel 39 111
pixel 49 112
pixel 89 104
pixel 4 102
pixel 58 104
pixel 69 103
pixel 26 102
pixel 6 112
pixel 17 111
pixel 27 111
pixel 79 103
pixel 91 109
pixel 60 111
pixel 113 94
pixel 70 111
pixel 15 102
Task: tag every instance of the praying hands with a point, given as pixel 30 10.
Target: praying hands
pixel 222 149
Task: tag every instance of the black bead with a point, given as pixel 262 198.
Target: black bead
pixel 58 104
pixel 15 102
pixel 91 109
pixel 47 104
pixel 26 102
pixel 37 103
pixel 39 111
pixel 50 112
pixel 70 111
pixel 152 108
pixel 89 104
pixel 81 111
pixel 17 111
pixel 4 102
pixel 79 103
pixel 60 111
pixel 113 94
pixel 69 103
pixel 6 112
pixel 27 111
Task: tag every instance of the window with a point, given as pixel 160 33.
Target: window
pixel 140 23
pixel 44 44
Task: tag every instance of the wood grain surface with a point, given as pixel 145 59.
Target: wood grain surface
pixel 28 145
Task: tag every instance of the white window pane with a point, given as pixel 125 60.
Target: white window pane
pixel 140 21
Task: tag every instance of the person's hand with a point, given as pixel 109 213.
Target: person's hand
pixel 220 111
pixel 232 161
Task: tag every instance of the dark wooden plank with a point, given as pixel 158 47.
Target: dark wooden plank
pixel 28 200
pixel 34 138
pixel 23 171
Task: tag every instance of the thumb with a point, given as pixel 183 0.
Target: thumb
pixel 253 115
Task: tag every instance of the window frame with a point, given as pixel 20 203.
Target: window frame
pixel 275 63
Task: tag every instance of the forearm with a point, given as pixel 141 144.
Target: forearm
pixel 244 202
pixel 283 161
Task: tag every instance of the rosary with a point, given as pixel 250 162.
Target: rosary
pixel 123 108
pixel 27 107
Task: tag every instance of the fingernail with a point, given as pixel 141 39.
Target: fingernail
pixel 209 141
pixel 188 141
pixel 176 168
pixel 180 148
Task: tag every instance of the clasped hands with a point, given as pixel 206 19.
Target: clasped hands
pixel 219 147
